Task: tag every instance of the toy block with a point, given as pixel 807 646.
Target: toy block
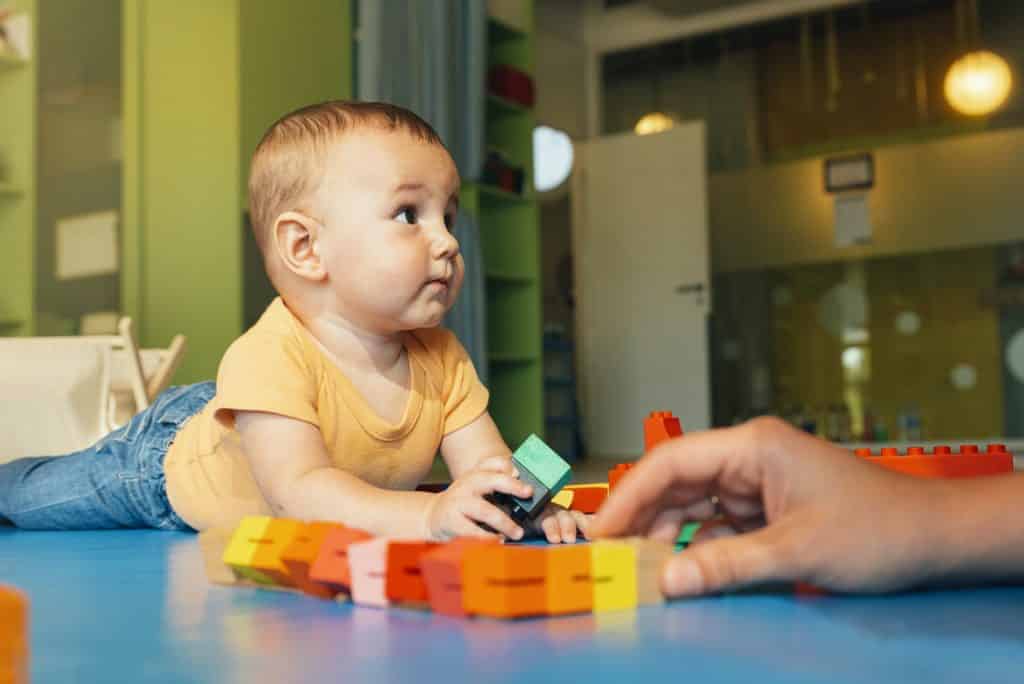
pixel 616 474
pixel 659 427
pixel 331 567
pixel 613 566
pixel 541 468
pixel 14 637
pixel 442 570
pixel 254 551
pixel 968 461
pixel 563 498
pixel 404 581
pixel 686 534
pixel 570 583
pixel 302 552
pixel 505 581
pixel 587 499
pixel 651 556
pixel 368 562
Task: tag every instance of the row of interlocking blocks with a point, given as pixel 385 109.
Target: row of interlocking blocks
pixel 462 577
pixel 968 461
pixel 13 636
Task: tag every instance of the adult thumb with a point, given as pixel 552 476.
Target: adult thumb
pixel 726 563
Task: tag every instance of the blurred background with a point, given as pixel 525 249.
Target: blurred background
pixel 723 208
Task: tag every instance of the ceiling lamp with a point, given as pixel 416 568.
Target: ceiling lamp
pixel 978 83
pixel 653 122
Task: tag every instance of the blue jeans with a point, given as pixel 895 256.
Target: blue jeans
pixel 117 482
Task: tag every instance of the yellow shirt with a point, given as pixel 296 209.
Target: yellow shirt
pixel 277 367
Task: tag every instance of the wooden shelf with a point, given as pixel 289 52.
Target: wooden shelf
pixel 496 104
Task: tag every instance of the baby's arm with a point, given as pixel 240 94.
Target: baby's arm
pixel 291 466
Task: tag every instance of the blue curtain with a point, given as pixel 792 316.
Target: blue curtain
pixel 430 56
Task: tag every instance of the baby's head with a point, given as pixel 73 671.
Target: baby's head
pixel 352 205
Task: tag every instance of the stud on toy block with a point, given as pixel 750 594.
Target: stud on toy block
pixel 331 567
pixel 368 561
pixel 404 582
pixel 442 570
pixel 14 637
pixel 541 468
pixel 302 552
pixel 505 581
pixel 968 461
pixel 570 583
pixel 660 426
pixel 254 551
pixel 613 566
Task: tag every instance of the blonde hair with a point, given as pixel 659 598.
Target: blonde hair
pixel 288 164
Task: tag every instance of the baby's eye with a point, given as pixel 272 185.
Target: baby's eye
pixel 407 215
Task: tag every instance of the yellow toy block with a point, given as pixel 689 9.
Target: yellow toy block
pixel 613 567
pixel 563 498
pixel 254 551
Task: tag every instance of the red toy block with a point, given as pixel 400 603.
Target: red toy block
pixel 442 572
pixel 616 473
pixel 968 461
pixel 404 580
pixel 659 427
pixel 570 583
pixel 331 566
pixel 511 83
pixel 588 499
pixel 505 581
pixel 302 552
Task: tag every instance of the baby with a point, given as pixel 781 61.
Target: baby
pixel 334 404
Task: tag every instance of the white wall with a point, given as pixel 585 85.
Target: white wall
pixel 952 193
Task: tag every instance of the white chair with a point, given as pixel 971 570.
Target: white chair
pixel 61 394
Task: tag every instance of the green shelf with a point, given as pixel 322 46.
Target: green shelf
pixel 508 358
pixel 12 61
pixel 7 326
pixel 489 192
pixel 510 278
pixel 498 31
pixel 10 190
pixel 497 105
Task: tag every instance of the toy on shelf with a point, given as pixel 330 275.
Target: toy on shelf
pixel 968 461
pixel 13 636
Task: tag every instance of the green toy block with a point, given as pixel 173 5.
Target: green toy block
pixel 541 468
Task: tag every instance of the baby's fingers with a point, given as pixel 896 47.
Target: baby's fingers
pixel 488 482
pixel 488 514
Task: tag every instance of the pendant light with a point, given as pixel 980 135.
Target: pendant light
pixel 980 81
pixel 658 120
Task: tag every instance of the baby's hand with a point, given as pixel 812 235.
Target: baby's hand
pixel 560 525
pixel 460 510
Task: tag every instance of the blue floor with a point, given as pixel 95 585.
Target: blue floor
pixel 135 606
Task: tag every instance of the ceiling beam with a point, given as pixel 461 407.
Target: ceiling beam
pixel 640 24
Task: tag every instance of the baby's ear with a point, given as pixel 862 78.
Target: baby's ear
pixel 296 238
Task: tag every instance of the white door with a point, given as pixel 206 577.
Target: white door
pixel 640 239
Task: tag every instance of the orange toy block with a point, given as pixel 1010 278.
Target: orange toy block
pixel 616 473
pixel 442 572
pixel 302 552
pixel 660 426
pixel 570 584
pixel 942 462
pixel 404 581
pixel 588 499
pixel 505 581
pixel 13 636
pixel 331 567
